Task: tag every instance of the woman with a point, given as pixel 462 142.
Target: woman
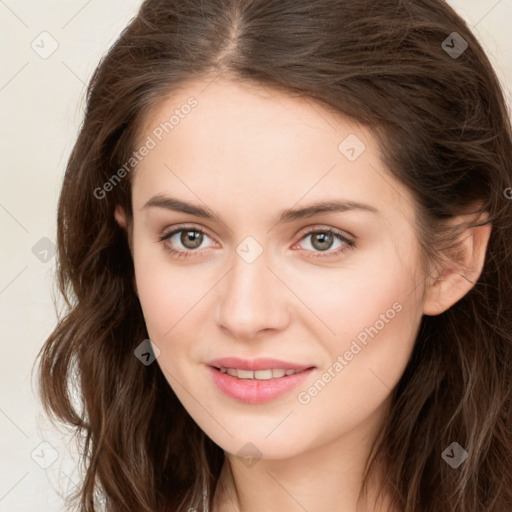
pixel 284 236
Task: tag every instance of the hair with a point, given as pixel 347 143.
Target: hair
pixel 443 130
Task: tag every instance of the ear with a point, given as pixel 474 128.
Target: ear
pixel 461 272
pixel 120 216
pixel 124 222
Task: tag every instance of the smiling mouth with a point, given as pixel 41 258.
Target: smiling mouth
pixel 267 382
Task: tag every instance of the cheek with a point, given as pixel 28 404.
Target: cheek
pixel 167 298
pixel 356 383
pixel 352 392
pixel 175 302
pixel 360 300
pixel 162 294
pixel 371 316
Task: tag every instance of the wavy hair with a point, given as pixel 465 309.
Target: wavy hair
pixel 444 131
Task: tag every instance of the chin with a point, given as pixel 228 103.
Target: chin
pixel 251 448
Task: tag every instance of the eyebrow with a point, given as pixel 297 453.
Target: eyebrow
pixel 289 215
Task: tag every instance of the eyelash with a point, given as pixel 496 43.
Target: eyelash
pixel 349 244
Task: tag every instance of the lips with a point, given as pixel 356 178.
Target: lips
pixel 257 381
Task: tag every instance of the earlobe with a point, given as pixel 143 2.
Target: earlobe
pixel 120 216
pixel 461 274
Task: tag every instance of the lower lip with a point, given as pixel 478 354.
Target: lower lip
pixel 252 391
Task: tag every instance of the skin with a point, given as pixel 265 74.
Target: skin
pixel 247 153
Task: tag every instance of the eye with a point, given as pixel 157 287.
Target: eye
pixel 183 241
pixel 186 241
pixel 324 240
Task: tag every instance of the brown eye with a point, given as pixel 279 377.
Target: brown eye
pixel 325 241
pixel 185 241
pixel 322 240
pixel 191 239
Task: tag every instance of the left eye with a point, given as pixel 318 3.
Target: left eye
pixel 322 241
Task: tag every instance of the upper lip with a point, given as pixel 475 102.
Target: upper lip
pixel 262 363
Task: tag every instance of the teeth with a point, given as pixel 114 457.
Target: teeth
pixel 258 374
pixel 261 374
pixel 244 374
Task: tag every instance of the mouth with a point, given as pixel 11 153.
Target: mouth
pixel 257 381
pixel 267 374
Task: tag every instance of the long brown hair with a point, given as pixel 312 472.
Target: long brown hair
pixel 439 115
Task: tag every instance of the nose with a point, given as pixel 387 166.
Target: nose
pixel 252 300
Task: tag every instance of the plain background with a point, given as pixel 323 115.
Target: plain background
pixel 41 106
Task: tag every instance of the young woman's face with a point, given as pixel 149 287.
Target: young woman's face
pixel 253 265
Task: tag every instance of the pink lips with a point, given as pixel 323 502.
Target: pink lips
pixel 256 391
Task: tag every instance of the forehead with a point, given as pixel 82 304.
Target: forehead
pixel 254 147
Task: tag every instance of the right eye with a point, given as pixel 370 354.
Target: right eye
pixel 183 240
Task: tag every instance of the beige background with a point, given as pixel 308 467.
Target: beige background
pixel 41 102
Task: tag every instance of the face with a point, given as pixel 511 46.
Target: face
pixel 233 261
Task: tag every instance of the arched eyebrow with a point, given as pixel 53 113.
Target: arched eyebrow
pixel 288 215
pixel 324 207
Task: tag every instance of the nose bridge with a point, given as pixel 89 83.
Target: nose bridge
pixel 251 299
